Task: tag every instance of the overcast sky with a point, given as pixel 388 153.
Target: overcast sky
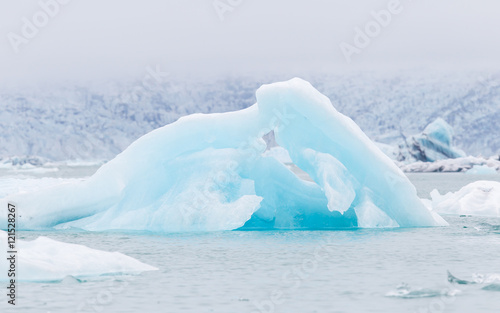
pixel 111 39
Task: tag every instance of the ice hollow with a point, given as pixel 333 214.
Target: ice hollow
pixel 208 172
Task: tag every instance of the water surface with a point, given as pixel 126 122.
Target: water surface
pixel 360 270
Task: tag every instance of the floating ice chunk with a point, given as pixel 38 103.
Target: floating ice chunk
pixel 208 172
pixel 481 198
pixel 476 279
pixel 492 281
pixel 433 144
pixel 44 259
pixel 482 170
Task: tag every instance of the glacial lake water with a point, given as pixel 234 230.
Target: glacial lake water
pixel 358 270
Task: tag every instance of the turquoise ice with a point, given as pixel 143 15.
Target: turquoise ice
pixel 434 143
pixel 207 172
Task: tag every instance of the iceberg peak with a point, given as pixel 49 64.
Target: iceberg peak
pixel 440 130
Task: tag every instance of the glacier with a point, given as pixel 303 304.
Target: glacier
pixel 207 172
pixel 48 260
pixel 480 198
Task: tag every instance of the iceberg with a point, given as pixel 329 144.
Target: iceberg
pixel 209 172
pixel 47 260
pixel 433 144
pixel 482 170
pixel 480 198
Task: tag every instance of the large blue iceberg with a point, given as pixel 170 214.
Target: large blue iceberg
pixel 207 172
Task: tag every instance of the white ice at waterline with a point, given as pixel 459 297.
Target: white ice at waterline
pixel 480 198
pixel 45 259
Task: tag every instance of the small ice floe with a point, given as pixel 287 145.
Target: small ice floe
pixel 407 292
pixel 482 170
pixel 48 260
pixel 492 281
pixel 480 198
pixel 454 280
pixel 70 280
pixel 486 278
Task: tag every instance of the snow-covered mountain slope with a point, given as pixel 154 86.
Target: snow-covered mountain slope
pixel 74 122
